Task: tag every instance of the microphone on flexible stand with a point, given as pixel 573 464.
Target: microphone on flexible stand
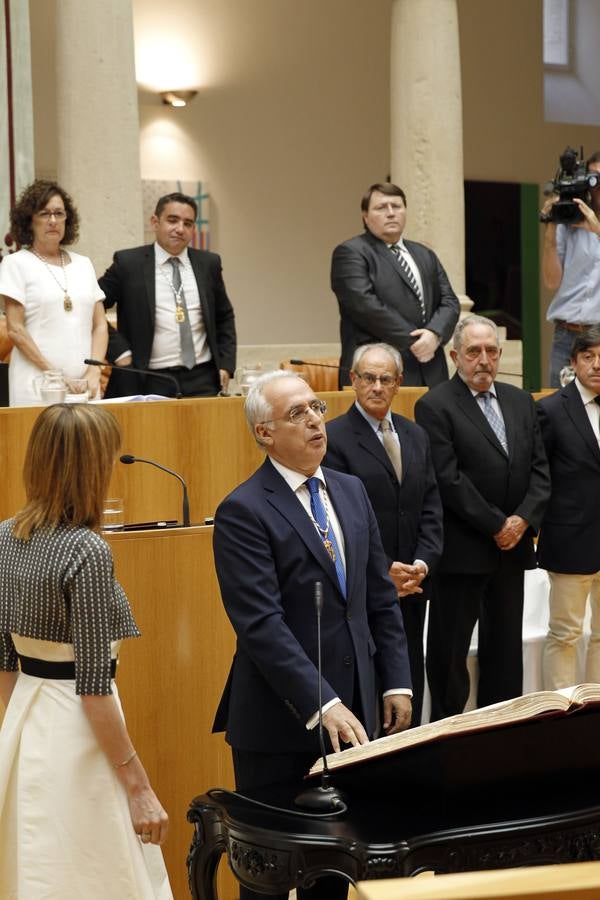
pixel 318 365
pixel 325 797
pixel 154 372
pixel 128 460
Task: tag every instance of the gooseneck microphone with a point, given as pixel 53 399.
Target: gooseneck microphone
pixel 154 372
pixel 128 460
pixel 325 797
pixel 318 365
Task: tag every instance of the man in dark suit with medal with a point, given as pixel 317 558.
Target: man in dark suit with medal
pixel 173 312
pixel 493 477
pixel 393 290
pixel 290 525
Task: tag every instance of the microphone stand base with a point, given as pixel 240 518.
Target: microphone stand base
pixel 322 799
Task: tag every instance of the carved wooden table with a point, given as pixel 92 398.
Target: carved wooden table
pixel 527 794
pixel 273 853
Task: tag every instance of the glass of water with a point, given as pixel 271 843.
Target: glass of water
pixel 113 517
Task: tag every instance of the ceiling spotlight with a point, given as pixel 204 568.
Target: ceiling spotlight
pixel 177 98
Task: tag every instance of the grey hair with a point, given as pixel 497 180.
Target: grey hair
pixel 257 409
pixel 386 348
pixel 472 320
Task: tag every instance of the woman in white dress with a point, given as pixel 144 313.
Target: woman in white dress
pixel 52 300
pixel 78 817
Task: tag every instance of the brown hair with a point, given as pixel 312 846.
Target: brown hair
pixel 387 188
pixel 33 199
pixel 68 466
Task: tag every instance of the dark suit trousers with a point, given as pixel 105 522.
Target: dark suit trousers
pixel 458 601
pixel 255 770
pixel 413 614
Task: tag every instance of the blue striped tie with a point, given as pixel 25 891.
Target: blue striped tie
pixel 326 531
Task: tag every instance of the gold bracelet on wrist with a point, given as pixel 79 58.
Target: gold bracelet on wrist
pixel 125 761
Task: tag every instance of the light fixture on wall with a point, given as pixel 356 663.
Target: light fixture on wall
pixel 177 98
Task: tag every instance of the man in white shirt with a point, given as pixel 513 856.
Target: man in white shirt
pixel 569 544
pixel 173 312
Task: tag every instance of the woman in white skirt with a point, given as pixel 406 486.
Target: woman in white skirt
pixel 78 817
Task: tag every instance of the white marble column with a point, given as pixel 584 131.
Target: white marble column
pixel 426 128
pixel 16 108
pixel 97 123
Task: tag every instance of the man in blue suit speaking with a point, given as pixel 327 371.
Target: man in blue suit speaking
pixel 290 525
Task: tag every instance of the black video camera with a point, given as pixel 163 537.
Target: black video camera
pixel 572 181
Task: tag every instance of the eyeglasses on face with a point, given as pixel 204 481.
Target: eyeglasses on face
pixel 47 214
pixel 370 378
pixel 299 414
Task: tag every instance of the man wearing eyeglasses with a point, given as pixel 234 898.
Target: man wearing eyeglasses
pixel 393 290
pixel 391 456
pixel 493 477
pixel 291 525
pixel 569 544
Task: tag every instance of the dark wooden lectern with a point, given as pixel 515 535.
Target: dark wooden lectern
pixel 521 795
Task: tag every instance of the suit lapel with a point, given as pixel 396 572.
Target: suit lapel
pixel 576 411
pixel 347 518
pixel 368 440
pixel 149 274
pixel 471 409
pixel 421 258
pixel 386 254
pixel 406 444
pixel 280 495
pixel 200 276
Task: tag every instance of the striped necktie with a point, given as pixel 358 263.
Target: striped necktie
pixel 406 267
pixel 496 423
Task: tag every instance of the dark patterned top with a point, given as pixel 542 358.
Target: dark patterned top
pixel 60 586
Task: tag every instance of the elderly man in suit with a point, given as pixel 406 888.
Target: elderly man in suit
pixel 493 477
pixel 391 456
pixel 569 544
pixel 173 312
pixel 293 524
pixel 393 290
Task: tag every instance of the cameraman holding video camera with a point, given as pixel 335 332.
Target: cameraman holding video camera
pixel 571 254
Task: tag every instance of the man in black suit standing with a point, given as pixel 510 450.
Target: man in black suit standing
pixel 292 524
pixel 393 290
pixel 493 477
pixel 569 544
pixel 391 456
pixel 173 312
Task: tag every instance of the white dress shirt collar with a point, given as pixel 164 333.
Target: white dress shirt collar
pixel 295 479
pixel 373 422
pixel 161 255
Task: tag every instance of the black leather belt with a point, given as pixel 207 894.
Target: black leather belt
pixel 45 668
pixel 571 326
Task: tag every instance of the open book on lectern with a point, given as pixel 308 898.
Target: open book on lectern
pixel 520 709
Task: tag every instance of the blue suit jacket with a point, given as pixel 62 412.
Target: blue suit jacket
pixel 268 556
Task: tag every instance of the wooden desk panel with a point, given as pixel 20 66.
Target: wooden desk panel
pixel 170 680
pixel 205 440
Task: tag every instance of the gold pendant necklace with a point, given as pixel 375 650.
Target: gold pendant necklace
pixel 67 302
pixel 324 532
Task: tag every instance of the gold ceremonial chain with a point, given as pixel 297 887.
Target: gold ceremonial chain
pixel 324 532
pixel 67 302
pixel 179 309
